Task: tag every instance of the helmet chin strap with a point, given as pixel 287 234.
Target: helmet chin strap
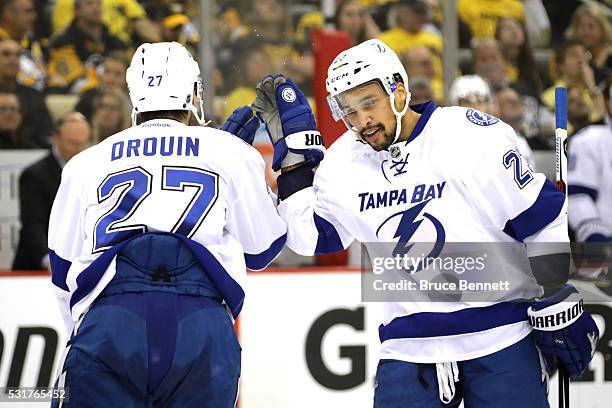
pixel 399 115
pixel 199 116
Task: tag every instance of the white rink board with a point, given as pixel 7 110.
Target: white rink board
pixel 279 311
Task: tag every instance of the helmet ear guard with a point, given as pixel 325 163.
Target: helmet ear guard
pixel 164 76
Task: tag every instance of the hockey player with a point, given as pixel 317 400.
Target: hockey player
pixel 589 167
pixel 443 175
pixel 149 237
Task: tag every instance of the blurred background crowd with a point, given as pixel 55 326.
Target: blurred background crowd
pixel 63 62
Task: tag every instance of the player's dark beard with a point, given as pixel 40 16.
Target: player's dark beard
pixel 387 138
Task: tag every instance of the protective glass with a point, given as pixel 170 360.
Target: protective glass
pixel 346 106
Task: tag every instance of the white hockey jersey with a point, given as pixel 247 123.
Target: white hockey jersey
pixel 197 182
pixel 589 187
pixel 459 178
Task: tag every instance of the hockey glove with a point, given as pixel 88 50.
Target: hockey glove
pixel 564 331
pixel 242 123
pixel 284 109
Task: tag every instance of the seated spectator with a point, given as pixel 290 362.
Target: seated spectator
pixel 420 90
pixel 578 114
pixel 111 114
pixel 17 19
pixel 488 62
pixel 11 136
pixel 419 62
pixel 37 122
pixel 38 185
pixel 511 110
pixel 590 26
pixel 521 68
pixel 481 16
pixel 253 64
pixel 471 91
pixel 76 52
pixel 176 26
pixel 125 19
pixel 408 19
pixel 112 77
pixel 574 71
pixel 352 18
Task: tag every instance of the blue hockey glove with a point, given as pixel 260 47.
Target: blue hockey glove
pixel 284 109
pixel 564 331
pixel 242 123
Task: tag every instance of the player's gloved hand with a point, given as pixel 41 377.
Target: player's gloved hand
pixel 284 109
pixel 564 332
pixel 242 123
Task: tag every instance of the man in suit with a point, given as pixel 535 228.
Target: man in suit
pixel 38 185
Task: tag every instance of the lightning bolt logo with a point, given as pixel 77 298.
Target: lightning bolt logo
pixel 406 228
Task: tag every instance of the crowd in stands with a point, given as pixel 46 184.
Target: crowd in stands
pixel 521 49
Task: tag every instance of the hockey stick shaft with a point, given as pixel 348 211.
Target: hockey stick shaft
pixel 561 183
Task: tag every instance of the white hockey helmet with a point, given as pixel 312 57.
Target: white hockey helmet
pixel 470 87
pixel 163 76
pixel 369 61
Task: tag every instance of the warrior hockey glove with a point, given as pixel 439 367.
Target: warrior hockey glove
pixel 284 109
pixel 242 123
pixel 564 331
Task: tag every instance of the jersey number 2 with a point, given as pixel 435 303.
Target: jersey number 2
pixel 515 160
pixel 136 185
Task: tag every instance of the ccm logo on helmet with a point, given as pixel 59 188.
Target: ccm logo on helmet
pixel 339 77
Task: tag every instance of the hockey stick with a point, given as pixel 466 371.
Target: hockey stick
pixel 561 183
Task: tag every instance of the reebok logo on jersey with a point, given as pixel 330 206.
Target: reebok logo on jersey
pixel 480 118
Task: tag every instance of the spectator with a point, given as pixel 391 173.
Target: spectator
pixel 352 18
pixel 37 122
pixel 591 27
pixel 408 19
pixel 488 62
pixel 111 114
pixel 419 62
pixel 17 19
pixel 511 110
pixel 521 68
pixel 481 16
pixel 420 90
pixel 112 78
pixel 578 115
pixel 574 70
pixel 252 66
pixel 10 123
pixel 125 19
pixel 77 51
pixel 471 91
pixel 38 185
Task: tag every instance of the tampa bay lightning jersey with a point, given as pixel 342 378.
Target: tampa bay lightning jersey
pixel 197 182
pixel 458 178
pixel 589 187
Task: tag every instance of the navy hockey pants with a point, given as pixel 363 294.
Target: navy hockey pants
pixel 147 343
pixel 510 378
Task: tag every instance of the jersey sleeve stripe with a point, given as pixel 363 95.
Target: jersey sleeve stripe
pixel 544 210
pixel 259 261
pixel 575 189
pixel 59 270
pixel 470 320
pixel 329 240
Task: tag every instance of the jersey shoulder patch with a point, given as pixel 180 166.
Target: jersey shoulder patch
pixel 480 118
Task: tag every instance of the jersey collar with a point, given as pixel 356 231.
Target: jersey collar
pixel 425 109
